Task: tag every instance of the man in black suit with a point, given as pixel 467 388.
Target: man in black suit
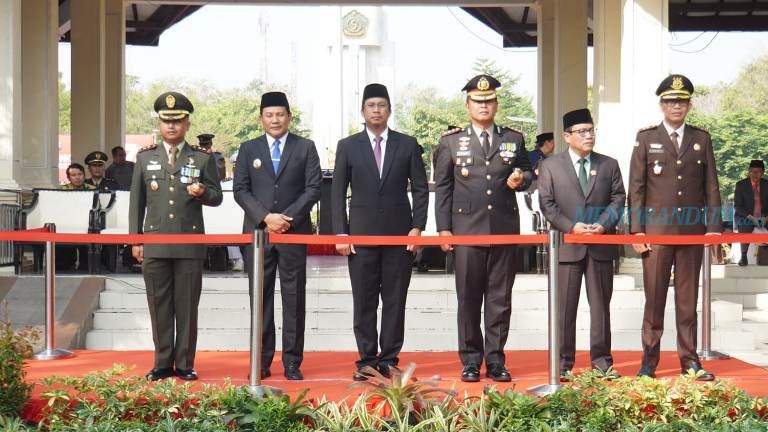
pixel 277 181
pixel 751 203
pixel 478 171
pixel 582 192
pixel 379 164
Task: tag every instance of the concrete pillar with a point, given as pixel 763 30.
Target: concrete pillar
pixel 88 77
pixel 631 58
pixel 545 99
pixel 39 93
pixel 10 93
pixel 114 75
pixel 570 60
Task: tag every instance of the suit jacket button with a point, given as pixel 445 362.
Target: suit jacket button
pixel 171 189
pixel 170 202
pixel 487 176
pixel 171 216
pixel 490 207
pixel 275 186
pixel 151 227
pixel 194 227
pixel 679 162
pixel 679 177
pixel 679 193
pixel 679 209
pixel 487 163
pixel 173 177
pixel 488 192
pixel 459 210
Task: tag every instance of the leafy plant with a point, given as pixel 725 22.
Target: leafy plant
pixel 274 413
pixel 14 348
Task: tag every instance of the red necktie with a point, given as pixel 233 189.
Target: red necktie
pixel 758 209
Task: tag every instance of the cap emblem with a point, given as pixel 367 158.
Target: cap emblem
pixel 483 84
pixel 677 83
pixel 170 101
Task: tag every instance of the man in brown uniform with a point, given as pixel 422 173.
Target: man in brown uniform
pixel 673 189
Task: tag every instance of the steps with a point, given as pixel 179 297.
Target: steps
pixel 122 320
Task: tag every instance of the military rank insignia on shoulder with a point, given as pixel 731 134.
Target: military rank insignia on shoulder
pixel 147 147
pixel 201 149
pixel 647 128
pixel 511 129
pixel 451 132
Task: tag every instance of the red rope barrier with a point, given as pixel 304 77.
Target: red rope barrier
pixel 41 236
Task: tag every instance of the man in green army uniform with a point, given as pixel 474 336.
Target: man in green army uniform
pixel 96 161
pixel 76 177
pixel 171 182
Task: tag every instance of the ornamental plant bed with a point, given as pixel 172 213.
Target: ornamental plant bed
pixel 110 401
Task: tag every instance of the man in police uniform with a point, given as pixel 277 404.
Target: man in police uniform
pixel 171 182
pixel 478 171
pixel 95 161
pixel 673 189
pixel 545 145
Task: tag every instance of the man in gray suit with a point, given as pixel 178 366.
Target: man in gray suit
pixel 277 181
pixel 171 184
pixel 582 192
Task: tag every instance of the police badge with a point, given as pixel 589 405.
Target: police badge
pixel 657 168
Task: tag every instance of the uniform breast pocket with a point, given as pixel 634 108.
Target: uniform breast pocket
pixel 150 175
pixel 462 207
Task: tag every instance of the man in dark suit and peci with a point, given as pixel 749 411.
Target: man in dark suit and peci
pixel 379 164
pixel 751 203
pixel 277 182
pixel 582 192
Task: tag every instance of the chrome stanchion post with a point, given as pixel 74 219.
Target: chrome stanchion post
pixel 554 334
pixel 257 316
pixel 51 352
pixel 706 352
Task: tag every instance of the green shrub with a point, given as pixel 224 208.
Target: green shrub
pixel 14 348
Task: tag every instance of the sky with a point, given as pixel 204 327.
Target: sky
pixel 230 46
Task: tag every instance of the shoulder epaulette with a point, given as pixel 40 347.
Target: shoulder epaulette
pixel 698 128
pixel 147 147
pixel 643 129
pixel 201 149
pixel 507 128
pixel 451 132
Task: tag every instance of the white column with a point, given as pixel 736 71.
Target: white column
pixel 545 99
pixel 631 58
pixel 87 77
pixel 10 93
pixel 39 93
pixel 114 76
pixel 570 60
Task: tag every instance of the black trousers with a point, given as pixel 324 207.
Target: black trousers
pixel 375 272
pixel 290 261
pixel 173 295
pixel 484 275
pixel 657 269
pixel 599 284
pixel 745 229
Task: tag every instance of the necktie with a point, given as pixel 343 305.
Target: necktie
pixel 758 209
pixel 276 155
pixel 377 152
pixel 674 136
pixel 172 158
pixel 486 142
pixel 583 175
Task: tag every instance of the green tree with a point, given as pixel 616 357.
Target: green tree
pixel 749 91
pixel 65 107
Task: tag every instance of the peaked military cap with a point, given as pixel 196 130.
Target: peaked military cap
pixel 96 158
pixel 546 136
pixel 482 88
pixel 675 86
pixel 173 106
pixel 205 139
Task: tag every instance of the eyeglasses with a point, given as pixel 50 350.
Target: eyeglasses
pixel 583 132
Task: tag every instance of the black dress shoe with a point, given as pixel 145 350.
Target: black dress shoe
pixel 743 262
pixel 159 373
pixel 386 369
pixel 701 373
pixel 498 373
pixel 565 375
pixel 359 375
pixel 646 371
pixel 607 373
pixel 186 374
pixel 471 372
pixel 265 372
pixel 293 373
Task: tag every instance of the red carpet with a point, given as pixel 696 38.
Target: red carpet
pixel 330 373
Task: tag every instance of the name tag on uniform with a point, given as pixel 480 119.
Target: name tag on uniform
pixel 464 153
pixel 151 167
pixel 656 146
pixel 655 150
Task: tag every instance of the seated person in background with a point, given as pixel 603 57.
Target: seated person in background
pixel 96 161
pixel 751 203
pixel 76 177
pixel 121 170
